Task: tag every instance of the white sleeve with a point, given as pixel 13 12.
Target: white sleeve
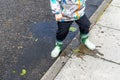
pixel 55 6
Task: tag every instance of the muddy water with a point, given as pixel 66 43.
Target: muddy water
pixel 82 50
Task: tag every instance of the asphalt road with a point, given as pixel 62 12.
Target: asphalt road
pixel 27 35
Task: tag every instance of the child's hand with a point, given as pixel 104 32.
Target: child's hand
pixel 58 17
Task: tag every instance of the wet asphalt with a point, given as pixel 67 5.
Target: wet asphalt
pixel 27 35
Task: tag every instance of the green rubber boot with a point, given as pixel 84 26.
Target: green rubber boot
pixel 56 51
pixel 87 42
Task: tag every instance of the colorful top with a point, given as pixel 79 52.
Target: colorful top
pixel 70 9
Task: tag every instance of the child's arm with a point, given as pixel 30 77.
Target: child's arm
pixel 56 9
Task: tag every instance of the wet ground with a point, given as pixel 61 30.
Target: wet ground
pixel 27 35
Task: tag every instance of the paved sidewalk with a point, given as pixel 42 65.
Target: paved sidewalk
pixel 106 35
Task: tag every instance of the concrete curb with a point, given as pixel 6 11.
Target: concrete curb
pixel 98 13
pixel 66 54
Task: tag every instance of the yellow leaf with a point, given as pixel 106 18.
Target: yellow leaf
pixel 72 29
pixel 76 51
pixel 23 72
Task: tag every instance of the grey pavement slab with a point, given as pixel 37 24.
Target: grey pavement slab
pixel 108 41
pixel 116 3
pixel 89 69
pixel 111 17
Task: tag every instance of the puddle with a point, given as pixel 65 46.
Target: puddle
pixel 82 50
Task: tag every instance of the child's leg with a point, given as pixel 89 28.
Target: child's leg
pixel 63 29
pixel 84 25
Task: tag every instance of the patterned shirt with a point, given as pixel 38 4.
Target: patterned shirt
pixel 70 9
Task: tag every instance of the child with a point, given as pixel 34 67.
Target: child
pixel 66 12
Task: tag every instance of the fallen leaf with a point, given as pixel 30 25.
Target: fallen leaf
pixel 20 47
pixel 72 29
pixel 23 72
pixel 76 51
pixel 14 71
